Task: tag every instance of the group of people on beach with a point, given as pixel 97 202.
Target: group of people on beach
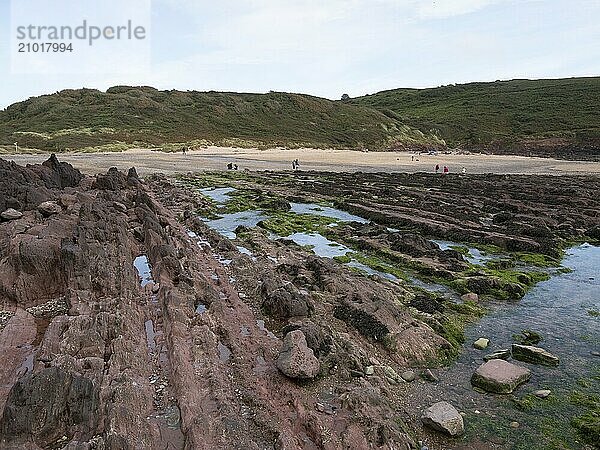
pixel 446 170
pixel 296 164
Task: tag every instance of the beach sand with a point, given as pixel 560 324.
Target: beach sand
pixel 217 158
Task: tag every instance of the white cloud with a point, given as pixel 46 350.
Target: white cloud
pixel 355 46
pixel 437 9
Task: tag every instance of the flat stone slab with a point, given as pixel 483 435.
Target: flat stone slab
pixel 499 376
pixel 444 417
pixel 534 355
pixel 498 354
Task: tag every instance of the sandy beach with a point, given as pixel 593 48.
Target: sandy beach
pixel 217 158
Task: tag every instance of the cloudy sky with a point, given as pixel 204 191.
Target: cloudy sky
pixel 331 47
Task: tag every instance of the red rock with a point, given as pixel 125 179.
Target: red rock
pixel 499 376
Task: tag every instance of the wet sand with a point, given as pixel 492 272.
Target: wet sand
pixel 217 158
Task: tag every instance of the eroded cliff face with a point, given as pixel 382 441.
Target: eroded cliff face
pixel 93 356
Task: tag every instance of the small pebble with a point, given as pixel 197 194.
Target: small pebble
pixel 408 376
pixel 514 424
pixel 542 393
pixel 481 343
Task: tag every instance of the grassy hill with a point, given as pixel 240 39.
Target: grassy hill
pixel 125 116
pixel 542 117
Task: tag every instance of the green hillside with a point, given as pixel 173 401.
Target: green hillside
pixel 546 117
pixel 142 116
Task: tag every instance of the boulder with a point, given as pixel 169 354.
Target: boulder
pixel 542 393
pixel 443 417
pixel 284 300
pixel 408 376
pixel 113 180
pixel 481 343
pixel 412 244
pixel 534 355
pixel 498 354
pixel 11 214
pixel 296 359
pixel 487 285
pixel 49 208
pixel 470 297
pixel 499 376
pixel 317 339
pixel 62 174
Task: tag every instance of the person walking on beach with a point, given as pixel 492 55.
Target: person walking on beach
pixel 437 168
pixel 446 170
pixel 294 164
pixel 464 170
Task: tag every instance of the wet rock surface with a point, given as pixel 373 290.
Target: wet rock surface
pixel 504 353
pixel 534 355
pixel 499 376
pixel 444 417
pixel 516 213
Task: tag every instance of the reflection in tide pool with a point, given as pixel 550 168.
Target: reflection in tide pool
pixel 218 195
pixel 143 269
pixel 437 288
pixel 321 246
pixel 475 256
pixel 558 309
pixel 227 224
pixel 369 271
pixel 326 211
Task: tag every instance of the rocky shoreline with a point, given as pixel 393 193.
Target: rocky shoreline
pixel 256 341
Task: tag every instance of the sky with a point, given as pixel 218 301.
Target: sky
pixel 333 47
